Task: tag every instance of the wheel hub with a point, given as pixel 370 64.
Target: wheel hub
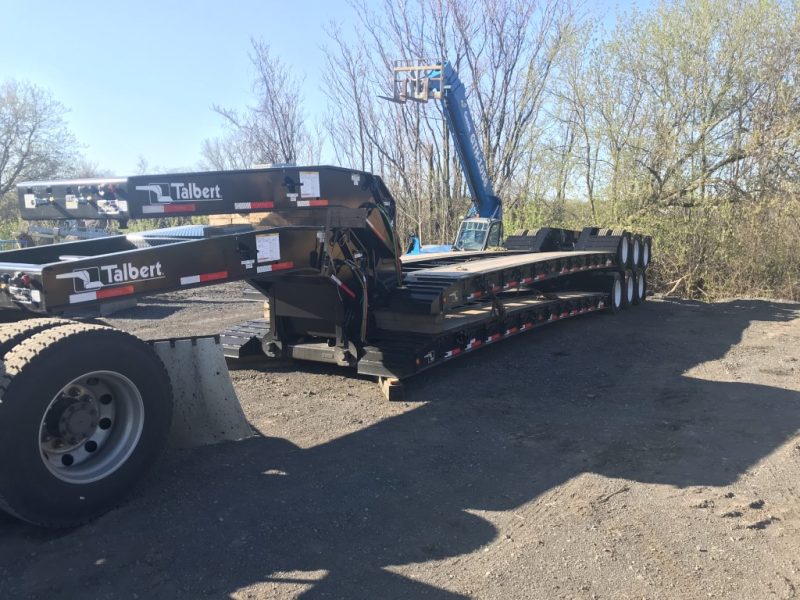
pixel 91 427
pixel 79 420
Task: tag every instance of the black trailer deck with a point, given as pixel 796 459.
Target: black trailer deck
pixel 88 407
pixel 327 259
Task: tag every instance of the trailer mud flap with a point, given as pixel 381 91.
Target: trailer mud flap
pixel 206 408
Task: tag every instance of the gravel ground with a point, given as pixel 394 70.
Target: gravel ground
pixel 654 454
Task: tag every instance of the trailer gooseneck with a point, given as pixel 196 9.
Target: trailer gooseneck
pixel 86 408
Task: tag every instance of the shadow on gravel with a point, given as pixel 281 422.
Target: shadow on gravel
pixel 497 429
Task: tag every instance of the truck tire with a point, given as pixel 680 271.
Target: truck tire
pixel 628 287
pixel 616 294
pixel 636 251
pixel 13 333
pixel 84 412
pixel 624 252
pixel 647 250
pixel 639 287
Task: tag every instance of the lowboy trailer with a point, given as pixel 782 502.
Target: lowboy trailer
pixel 85 409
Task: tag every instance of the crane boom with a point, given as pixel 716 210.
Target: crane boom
pixel 468 145
pixel 440 81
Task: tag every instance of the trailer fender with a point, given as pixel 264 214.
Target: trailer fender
pixel 206 407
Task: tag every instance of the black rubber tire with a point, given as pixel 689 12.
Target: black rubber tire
pixel 12 334
pixel 624 252
pixel 615 294
pixel 628 286
pixel 639 286
pixel 647 251
pixel 636 251
pixel 35 371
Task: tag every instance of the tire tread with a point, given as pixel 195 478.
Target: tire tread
pixel 40 347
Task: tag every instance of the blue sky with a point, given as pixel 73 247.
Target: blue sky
pixel 139 78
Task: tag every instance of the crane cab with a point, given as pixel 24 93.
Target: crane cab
pixel 476 233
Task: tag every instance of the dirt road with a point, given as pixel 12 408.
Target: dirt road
pixel 655 454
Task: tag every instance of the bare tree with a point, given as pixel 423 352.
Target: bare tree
pixel 505 52
pixel 273 129
pixel 34 139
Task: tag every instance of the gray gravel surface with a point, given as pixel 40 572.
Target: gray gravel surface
pixel 653 454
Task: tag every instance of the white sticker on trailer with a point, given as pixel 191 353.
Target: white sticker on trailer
pixel 268 247
pixel 309 184
pixel 30 200
pixel 107 207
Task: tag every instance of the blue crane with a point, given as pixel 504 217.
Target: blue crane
pixel 482 227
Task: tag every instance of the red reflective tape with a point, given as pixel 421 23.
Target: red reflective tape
pixel 122 290
pixel 213 276
pixel 455 351
pixel 262 205
pixel 342 285
pixel 173 208
pixel 318 203
pixel 283 265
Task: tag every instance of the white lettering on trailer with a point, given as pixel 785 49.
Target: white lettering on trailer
pixel 129 272
pixel 166 193
pixel 97 278
pixel 192 191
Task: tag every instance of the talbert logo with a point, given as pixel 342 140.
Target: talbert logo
pixel 95 278
pixel 166 193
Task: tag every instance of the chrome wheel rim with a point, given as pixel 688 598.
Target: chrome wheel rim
pixel 629 289
pixel 617 293
pixel 641 286
pixel 91 427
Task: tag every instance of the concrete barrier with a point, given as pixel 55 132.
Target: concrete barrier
pixel 207 410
